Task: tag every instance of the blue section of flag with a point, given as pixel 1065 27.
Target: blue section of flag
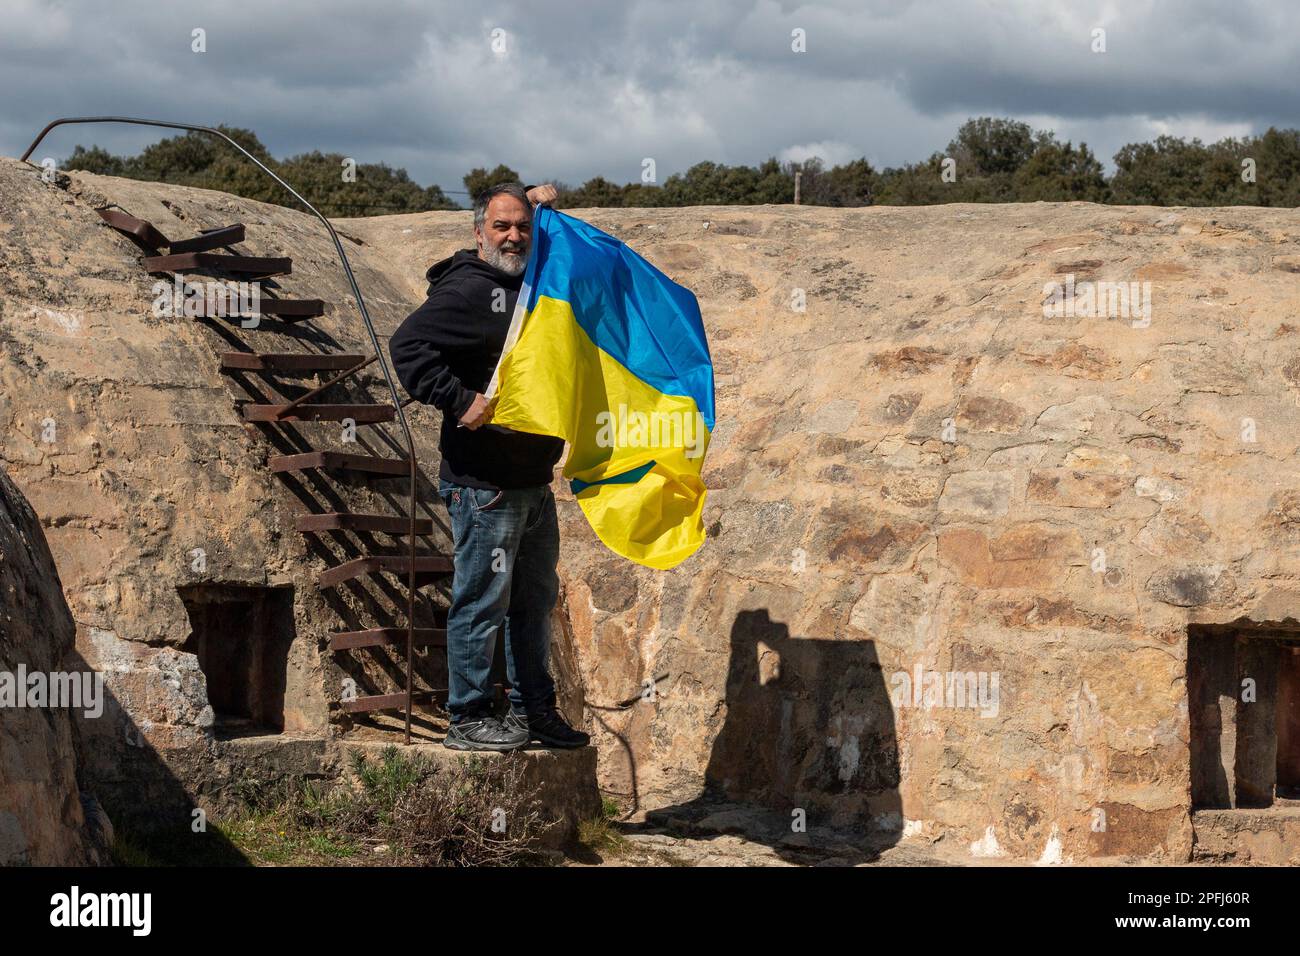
pixel 624 303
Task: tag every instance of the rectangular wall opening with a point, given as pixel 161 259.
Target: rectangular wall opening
pixel 1243 695
pixel 241 635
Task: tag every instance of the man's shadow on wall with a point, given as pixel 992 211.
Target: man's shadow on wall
pixel 808 740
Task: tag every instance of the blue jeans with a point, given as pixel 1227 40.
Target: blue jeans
pixel 507 544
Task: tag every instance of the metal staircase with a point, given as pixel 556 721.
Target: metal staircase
pixel 211 252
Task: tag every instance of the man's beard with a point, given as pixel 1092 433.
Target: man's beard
pixel 511 263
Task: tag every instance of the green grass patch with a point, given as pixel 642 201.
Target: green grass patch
pixel 600 834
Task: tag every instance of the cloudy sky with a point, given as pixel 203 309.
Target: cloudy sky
pixel 569 89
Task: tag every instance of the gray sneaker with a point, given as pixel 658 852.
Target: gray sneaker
pixel 516 722
pixel 548 728
pixel 485 734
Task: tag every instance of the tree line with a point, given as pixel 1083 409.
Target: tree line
pixel 196 159
pixel 989 160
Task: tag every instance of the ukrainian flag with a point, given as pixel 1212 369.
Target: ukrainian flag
pixel 608 353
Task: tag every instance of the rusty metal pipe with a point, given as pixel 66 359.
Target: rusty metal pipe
pixel 365 317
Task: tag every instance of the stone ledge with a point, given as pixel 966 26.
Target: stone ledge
pixel 1267 837
pixel 565 779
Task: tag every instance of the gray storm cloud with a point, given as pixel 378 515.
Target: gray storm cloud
pixel 586 88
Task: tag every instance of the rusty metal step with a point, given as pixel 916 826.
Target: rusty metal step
pixel 392 701
pixel 428 567
pixel 249 266
pixel 152 236
pixel 387 636
pixel 140 229
pixel 209 239
pixel 349 521
pixel 291 310
pixel 286 362
pixel 286 310
pixel 361 414
pixel 338 460
pixel 375 702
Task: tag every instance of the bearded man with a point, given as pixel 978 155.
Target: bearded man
pixel 496 483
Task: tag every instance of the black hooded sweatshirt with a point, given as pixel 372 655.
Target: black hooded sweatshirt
pixel 446 350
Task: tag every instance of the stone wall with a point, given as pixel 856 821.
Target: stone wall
pixel 916 473
pixel 155 496
pixel 42 820
pixel 917 470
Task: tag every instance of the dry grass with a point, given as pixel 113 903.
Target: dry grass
pixel 402 810
pixel 474 812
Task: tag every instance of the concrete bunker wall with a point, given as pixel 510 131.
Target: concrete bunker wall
pixel 171 535
pixel 46 819
pixel 925 470
pixel 917 472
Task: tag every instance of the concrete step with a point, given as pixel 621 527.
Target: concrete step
pixel 565 780
pixel 1268 836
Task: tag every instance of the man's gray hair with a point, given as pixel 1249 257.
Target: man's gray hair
pixel 501 189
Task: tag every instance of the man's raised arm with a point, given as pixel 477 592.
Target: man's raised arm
pixel 542 195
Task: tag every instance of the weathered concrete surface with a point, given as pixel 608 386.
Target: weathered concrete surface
pixel 921 470
pixel 917 472
pixel 42 822
pixel 1270 837
pixel 122 431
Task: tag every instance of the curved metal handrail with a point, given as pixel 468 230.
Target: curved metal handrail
pixel 370 329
